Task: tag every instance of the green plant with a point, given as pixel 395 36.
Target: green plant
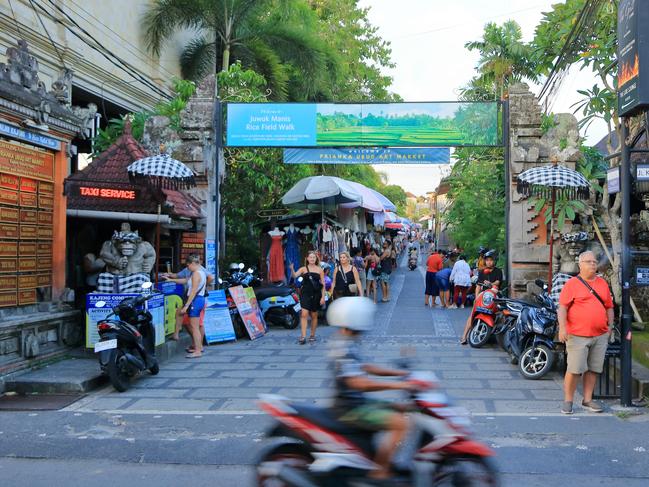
pixel 547 122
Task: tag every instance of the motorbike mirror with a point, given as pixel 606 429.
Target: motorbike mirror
pixel 100 304
pixel 220 281
pixel 250 271
pixel 241 266
pixel 147 285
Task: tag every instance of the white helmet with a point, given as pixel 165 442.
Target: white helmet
pixel 356 313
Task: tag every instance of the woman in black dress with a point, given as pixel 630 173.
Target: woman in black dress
pixel 312 296
pixel 347 282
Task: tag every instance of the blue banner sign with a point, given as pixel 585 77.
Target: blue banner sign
pixel 387 155
pixel 427 124
pixel 30 137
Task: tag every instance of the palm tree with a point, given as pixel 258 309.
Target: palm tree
pixel 504 58
pixel 273 37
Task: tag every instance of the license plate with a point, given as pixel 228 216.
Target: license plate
pixel 105 345
pixel 297 307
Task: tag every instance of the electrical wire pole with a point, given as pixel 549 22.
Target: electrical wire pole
pixel 218 156
pixel 625 194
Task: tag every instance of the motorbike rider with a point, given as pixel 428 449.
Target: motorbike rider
pixel 490 276
pixel 355 316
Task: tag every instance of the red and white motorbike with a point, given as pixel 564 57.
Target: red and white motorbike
pixel 483 317
pixel 311 448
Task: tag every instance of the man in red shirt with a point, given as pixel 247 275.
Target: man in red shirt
pixel 586 320
pixel 433 264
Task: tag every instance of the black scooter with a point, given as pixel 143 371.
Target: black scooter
pixel 531 340
pixel 127 344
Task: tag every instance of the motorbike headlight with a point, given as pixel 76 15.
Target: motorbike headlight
pixel 537 327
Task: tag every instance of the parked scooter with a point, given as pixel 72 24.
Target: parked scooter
pixel 280 306
pixel 484 317
pixel 312 448
pixel 127 344
pixel 531 340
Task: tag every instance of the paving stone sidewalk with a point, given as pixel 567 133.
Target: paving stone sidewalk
pixel 229 377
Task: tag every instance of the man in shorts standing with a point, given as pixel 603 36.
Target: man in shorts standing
pixel 586 319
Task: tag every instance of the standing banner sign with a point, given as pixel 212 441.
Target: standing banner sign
pixel 249 311
pixel 218 322
pixel 383 155
pixel 210 256
pixel 94 315
pixel 633 56
pixel 426 124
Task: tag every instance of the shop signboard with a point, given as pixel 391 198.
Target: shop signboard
pixel 19 160
pixel 427 124
pixel 642 172
pixel 370 155
pixel 272 212
pixel 642 276
pixel 633 56
pixel 30 137
pixel 249 311
pixel 155 305
pixel 217 321
pixel 210 256
pixel 192 243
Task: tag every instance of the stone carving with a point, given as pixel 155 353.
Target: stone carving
pixel 62 87
pixel 640 224
pixel 129 261
pixel 86 115
pixel 22 68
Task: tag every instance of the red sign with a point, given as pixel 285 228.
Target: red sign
pixel 118 194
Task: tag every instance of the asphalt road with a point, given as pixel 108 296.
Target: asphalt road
pixel 197 422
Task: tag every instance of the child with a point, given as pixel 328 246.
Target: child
pixel 354 316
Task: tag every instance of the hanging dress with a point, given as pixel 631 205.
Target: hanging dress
pixel 276 260
pixel 292 252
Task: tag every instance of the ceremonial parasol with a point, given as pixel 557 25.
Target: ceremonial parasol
pixel 549 182
pixel 163 172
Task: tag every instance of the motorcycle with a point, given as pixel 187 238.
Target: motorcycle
pixel 126 345
pixel 508 311
pixel 237 277
pixel 312 448
pixel 483 317
pixel 531 340
pixel 279 305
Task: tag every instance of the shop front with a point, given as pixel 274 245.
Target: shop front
pixel 35 133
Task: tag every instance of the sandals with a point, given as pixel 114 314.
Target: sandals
pixel 194 355
pixel 312 339
pixel 464 342
pixel 301 340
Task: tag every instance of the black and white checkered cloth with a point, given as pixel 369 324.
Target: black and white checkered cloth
pixel 109 283
pixel 558 282
pixel 161 171
pixel 541 180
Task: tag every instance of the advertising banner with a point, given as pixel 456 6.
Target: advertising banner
pixel 427 124
pixel 94 315
pixel 384 155
pixel 218 323
pixel 633 55
pixel 249 311
pixel 210 256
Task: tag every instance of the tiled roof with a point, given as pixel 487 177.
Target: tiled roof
pixel 108 170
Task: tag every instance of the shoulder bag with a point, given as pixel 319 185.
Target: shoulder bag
pixel 592 291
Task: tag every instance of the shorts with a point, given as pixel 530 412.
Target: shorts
pixel 431 284
pixel 195 308
pixel 385 277
pixel 442 284
pixel 586 353
pixel 370 275
pixel 373 416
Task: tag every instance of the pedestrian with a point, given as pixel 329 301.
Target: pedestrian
pixel 372 263
pixel 359 264
pixel 433 264
pixel 461 278
pixel 346 279
pixel 194 304
pixel 386 270
pixel 312 293
pixel 442 280
pixel 182 277
pixel 586 319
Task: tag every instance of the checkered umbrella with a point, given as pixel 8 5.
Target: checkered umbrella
pixel 548 182
pixel 162 172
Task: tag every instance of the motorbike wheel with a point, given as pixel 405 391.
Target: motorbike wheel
pixel 292 455
pixel 536 361
pixel 291 320
pixel 119 377
pixel 479 334
pixel 466 471
pixel 155 368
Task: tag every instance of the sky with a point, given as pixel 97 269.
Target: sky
pixel 427 39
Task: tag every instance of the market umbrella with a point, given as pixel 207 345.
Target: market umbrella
pixel 549 182
pixel 163 172
pixel 387 204
pixel 369 199
pixel 321 190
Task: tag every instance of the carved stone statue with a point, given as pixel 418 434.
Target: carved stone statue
pixel 640 224
pixel 129 261
pixel 566 260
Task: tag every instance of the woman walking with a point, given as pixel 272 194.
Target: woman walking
pixel 461 277
pixel 386 270
pixel 433 264
pixel 312 296
pixel 372 262
pixel 346 279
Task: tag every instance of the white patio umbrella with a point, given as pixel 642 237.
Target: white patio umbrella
pixel 321 191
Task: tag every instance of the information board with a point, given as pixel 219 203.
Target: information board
pixel 249 311
pixel 218 322
pixel 642 276
pixel 370 155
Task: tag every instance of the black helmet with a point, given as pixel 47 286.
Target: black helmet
pixel 482 249
pixel 491 253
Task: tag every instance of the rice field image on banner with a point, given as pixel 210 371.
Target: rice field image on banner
pixel 426 124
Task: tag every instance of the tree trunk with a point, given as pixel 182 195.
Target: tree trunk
pixel 226 58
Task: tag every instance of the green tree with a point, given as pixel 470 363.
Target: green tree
pixel 274 37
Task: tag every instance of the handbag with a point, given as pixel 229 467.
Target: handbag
pixel 352 288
